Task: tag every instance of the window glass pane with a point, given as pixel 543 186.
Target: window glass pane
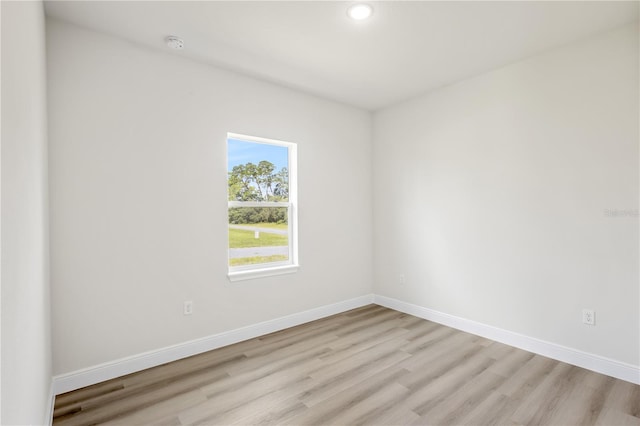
pixel 258 235
pixel 257 171
pixel 261 211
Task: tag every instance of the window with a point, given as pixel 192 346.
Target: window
pixel 261 210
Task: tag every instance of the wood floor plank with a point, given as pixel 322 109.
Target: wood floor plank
pixel 530 374
pixel 511 362
pixel 611 416
pixel 327 410
pixel 397 415
pixel 366 338
pixel 436 392
pixel 367 366
pixel 440 361
pixel 584 405
pixel 498 408
pixel 357 358
pixel 304 361
pixel 224 402
pixel 465 398
pixel 231 408
pixel 441 347
pixel 432 337
pixel 548 398
pixel 146 415
pixel 348 379
pixel 366 411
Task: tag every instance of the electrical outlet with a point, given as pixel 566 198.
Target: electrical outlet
pixel 402 280
pixel 589 316
pixel 188 307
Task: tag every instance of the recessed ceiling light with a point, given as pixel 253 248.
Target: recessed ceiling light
pixel 174 42
pixel 360 11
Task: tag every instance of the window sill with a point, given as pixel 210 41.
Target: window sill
pixel 260 273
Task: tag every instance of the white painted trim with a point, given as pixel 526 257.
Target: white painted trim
pixel 599 364
pixel 259 204
pixel 109 370
pixel 48 418
pixel 251 274
pixel 248 272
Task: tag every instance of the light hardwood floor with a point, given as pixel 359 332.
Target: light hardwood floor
pixel 368 366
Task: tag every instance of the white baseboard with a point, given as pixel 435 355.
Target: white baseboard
pixel 48 419
pixel 599 364
pixel 110 370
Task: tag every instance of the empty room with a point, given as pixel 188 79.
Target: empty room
pixel 320 213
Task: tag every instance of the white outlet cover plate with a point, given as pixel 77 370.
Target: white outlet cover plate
pixel 589 316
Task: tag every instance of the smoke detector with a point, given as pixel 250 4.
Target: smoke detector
pixel 174 42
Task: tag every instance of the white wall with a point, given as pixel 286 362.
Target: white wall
pixel 26 346
pixel 138 198
pixel 490 196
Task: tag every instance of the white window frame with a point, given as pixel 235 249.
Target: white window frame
pixel 246 272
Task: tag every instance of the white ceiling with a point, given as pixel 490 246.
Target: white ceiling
pixel 405 49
